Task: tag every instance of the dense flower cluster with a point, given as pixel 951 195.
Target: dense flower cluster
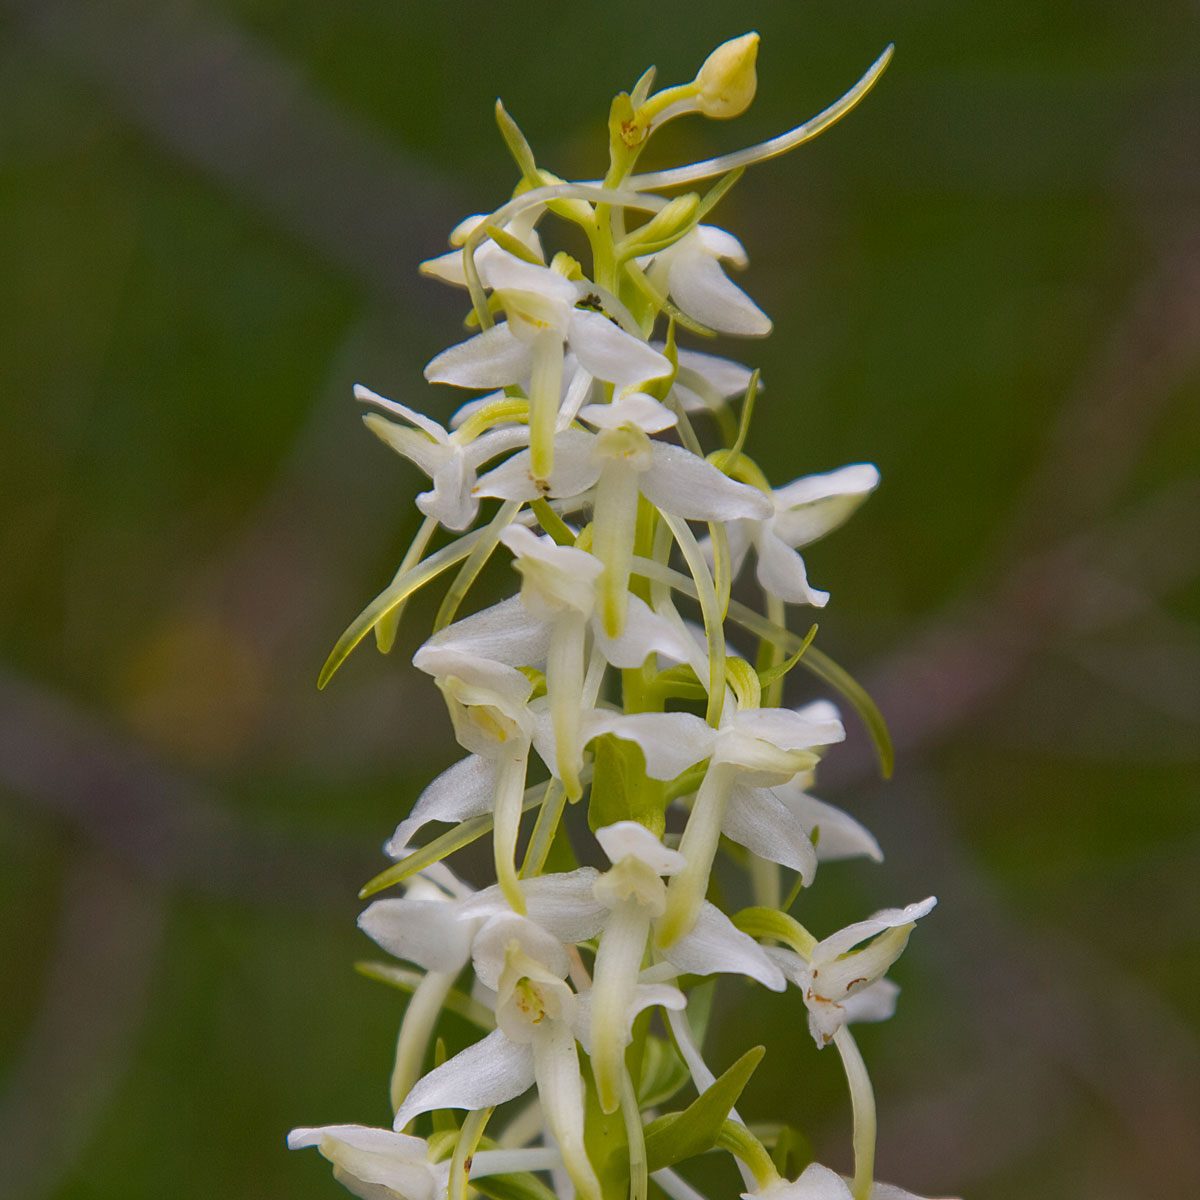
pixel 591 687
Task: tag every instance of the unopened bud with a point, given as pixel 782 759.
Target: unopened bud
pixel 727 80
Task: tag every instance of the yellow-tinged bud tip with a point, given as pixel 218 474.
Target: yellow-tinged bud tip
pixel 727 80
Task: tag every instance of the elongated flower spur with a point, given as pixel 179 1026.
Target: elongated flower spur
pixel 605 684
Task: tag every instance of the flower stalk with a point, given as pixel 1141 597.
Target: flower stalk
pixel 615 473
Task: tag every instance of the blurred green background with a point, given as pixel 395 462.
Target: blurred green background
pixel 986 280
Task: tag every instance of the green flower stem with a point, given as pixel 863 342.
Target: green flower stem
pixel 464 1150
pixel 639 1178
pixel 746 1148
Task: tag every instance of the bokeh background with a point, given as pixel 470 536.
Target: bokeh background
pixel 986 280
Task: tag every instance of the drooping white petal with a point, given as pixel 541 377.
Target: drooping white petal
pixel 699 285
pixel 809 508
pixel 715 945
pixel 489 1072
pixel 606 351
pixel 462 791
pixel 426 932
pixel 838 835
pixel 781 572
pixel 645 995
pixel 426 424
pixel 689 487
pixel 491 359
pixel 757 819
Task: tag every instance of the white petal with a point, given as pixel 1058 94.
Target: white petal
pixel 609 353
pixel 429 456
pixel 782 573
pixel 629 837
pixel 634 408
pixel 575 470
pixel 716 945
pixel 727 377
pixel 422 422
pixel 874 1003
pixel 507 272
pixel 377 1157
pixel 809 508
pixel 786 728
pixel 487 1073
pixel 462 791
pixel 699 285
pixel 492 359
pixel 838 835
pixel 492 941
pixel 425 932
pixel 562 903
pixel 757 819
pixel 815 1183
pixel 720 243
pixel 687 486
pixel 645 633
pixel 505 633
pixel 846 939
pixel 671 742
pixel 448 659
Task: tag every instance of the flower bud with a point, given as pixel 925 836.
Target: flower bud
pixel 727 79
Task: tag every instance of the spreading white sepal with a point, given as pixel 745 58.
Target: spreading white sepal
pixel 489 1072
pixel 714 945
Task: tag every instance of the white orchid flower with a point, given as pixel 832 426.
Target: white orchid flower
pixel 619 463
pixel 489 708
pixel 424 927
pixel 690 272
pixel 526 966
pixel 840 983
pixel 619 906
pixel 558 588
pixel 820 1183
pixel 449 267
pixel 544 311
pixel 379 1164
pixel 755 748
pixel 450 459
pixel 805 509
